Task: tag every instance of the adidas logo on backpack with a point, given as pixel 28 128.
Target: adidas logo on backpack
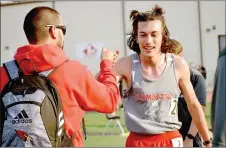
pixel 32 110
pixel 22 117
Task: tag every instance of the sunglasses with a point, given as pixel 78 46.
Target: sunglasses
pixel 63 28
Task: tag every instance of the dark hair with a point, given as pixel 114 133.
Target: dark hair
pixel 136 17
pixel 35 21
pixel 202 70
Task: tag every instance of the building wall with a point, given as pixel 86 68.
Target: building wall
pixel 12 34
pixel 212 14
pixel 108 22
pixel 90 21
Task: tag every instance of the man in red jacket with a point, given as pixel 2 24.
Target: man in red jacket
pixel 76 85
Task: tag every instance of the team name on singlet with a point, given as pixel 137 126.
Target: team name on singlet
pixel 146 97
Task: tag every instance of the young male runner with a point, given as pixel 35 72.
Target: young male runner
pixel 154 81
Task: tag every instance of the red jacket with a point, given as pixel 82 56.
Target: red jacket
pixel 77 87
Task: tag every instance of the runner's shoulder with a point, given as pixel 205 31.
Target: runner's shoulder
pixel 180 62
pixel 124 62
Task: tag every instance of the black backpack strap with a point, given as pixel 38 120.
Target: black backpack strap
pixel 11 68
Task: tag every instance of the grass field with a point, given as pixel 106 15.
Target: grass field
pixel 96 122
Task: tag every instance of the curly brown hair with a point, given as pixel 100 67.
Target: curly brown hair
pixel 156 14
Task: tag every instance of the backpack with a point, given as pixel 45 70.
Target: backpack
pixel 31 110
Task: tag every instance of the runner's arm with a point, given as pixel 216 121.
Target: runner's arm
pixel 199 85
pixel 194 106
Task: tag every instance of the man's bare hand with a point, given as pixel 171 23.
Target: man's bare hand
pixel 109 55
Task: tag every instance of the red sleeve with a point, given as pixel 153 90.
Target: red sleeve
pixel 100 96
pixel 4 78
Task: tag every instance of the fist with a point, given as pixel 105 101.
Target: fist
pixel 107 54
